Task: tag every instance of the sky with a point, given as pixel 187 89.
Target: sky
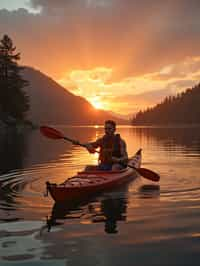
pixel 122 56
pixel 16 4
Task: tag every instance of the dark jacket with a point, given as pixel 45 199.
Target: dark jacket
pixel 109 147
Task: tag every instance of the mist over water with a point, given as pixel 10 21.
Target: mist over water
pixel 142 223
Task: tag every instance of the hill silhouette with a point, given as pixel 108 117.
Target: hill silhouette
pixel 181 109
pixel 51 103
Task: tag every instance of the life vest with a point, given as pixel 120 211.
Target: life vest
pixel 109 147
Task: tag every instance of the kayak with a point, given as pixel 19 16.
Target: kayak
pixel 88 183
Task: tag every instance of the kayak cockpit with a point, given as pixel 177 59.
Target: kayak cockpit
pixel 100 172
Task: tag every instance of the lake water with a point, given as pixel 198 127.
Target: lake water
pixel 143 223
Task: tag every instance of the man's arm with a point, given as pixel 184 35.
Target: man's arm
pixel 91 146
pixel 124 152
pixel 124 155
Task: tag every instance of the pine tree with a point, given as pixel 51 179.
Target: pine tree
pixel 14 101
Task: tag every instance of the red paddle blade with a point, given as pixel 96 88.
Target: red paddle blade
pixel 51 133
pixel 148 174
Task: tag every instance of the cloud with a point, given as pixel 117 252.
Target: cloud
pixel 130 37
pixel 180 85
pixel 186 68
pixel 105 48
pixel 134 93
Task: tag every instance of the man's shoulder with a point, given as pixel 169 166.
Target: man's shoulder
pixel 119 136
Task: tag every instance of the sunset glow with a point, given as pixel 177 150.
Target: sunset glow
pixel 122 66
pixel 99 132
pixel 129 95
pixel 96 102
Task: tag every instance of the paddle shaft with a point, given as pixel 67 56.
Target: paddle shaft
pixel 77 143
pixel 74 141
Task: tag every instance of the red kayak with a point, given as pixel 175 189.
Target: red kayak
pixel 87 183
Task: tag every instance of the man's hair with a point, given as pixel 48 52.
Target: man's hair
pixel 111 122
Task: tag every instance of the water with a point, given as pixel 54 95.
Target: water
pixel 143 223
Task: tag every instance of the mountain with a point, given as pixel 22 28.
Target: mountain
pixel 51 103
pixel 181 109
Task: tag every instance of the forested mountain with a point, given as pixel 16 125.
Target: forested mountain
pixel 51 103
pixel 180 109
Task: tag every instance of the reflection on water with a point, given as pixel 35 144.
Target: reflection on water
pixel 150 191
pixel 172 138
pixel 107 209
pixel 130 224
pixel 12 151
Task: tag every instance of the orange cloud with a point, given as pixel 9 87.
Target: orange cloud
pixel 133 93
pixel 78 34
pixel 93 52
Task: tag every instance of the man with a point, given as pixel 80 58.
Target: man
pixel 113 154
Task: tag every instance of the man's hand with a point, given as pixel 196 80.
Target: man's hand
pixel 90 148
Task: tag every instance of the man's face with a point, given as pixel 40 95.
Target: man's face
pixel 109 129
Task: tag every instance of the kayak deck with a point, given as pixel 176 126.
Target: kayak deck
pixel 86 183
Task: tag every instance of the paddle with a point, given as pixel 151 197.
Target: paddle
pixel 53 133
pixel 147 173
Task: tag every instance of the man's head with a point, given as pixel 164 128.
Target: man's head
pixel 110 127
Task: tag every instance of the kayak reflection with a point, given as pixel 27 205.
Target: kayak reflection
pixel 114 210
pixel 107 210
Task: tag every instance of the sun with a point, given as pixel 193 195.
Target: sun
pixel 96 102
